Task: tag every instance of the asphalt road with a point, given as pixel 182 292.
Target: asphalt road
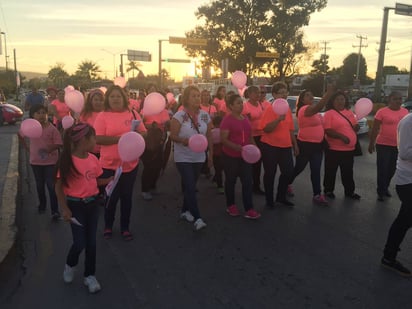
pixel 306 257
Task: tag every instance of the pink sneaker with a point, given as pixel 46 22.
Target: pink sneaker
pixel 289 192
pixel 252 214
pixel 320 200
pixel 233 211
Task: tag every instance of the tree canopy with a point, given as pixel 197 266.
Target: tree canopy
pixel 237 29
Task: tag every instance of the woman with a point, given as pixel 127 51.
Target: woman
pixel 58 108
pixel 205 105
pixel 340 127
pixel 254 109
pixel 235 132
pixel 219 100
pixel 383 141
pixel 184 124
pixel 92 107
pixel 152 158
pixel 278 141
pixel 310 140
pixel 110 125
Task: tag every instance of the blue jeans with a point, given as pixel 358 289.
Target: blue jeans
pixel 84 237
pixel 272 157
pixel 190 173
pixel 386 157
pixel 312 153
pixel 44 175
pixel 124 192
pixel 237 167
pixel 402 223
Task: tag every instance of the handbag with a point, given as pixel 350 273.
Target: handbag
pixel 358 149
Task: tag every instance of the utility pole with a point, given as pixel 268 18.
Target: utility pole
pixel 323 57
pixel 361 38
pixel 410 80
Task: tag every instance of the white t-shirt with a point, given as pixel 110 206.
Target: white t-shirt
pixel 184 153
pixel 403 175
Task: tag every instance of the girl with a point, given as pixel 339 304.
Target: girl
pixel 43 158
pixel 219 100
pixel 110 125
pixel 235 132
pixel 77 189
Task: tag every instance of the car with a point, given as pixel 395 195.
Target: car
pixel 407 105
pixel 10 113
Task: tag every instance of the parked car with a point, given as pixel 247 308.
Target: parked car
pixel 10 113
pixel 407 105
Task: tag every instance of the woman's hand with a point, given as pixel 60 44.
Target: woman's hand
pixel 345 139
pixel 67 214
pixel 371 148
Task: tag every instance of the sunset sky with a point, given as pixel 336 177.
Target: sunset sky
pixel 46 32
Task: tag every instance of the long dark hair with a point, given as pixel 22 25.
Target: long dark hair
pixel 299 104
pixel 88 106
pixel 329 105
pixel 109 91
pixel 71 139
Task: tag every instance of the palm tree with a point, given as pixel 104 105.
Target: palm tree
pixel 133 66
pixel 58 75
pixel 87 71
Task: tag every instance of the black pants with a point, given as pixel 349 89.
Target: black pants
pixel 386 157
pixel 402 222
pixel 152 165
pixel 257 167
pixel 339 159
pixel 218 166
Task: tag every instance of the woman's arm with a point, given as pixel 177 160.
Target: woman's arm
pixel 174 133
pixel 273 124
pixel 224 134
pixel 316 108
pixel 107 140
pixel 334 134
pixel 372 138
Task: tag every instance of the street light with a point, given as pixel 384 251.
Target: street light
pixel 5 50
pixel 114 60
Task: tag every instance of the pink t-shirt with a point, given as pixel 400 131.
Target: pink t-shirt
pixel 310 128
pixel 160 119
pixel 90 119
pixel 239 133
pixel 220 104
pixel 110 123
pixel 333 120
pixel 280 136
pixel 84 184
pixel 61 108
pixel 211 110
pixel 389 125
pixel 38 146
pixel 135 104
pixel 254 113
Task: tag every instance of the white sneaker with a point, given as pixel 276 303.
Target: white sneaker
pixel 68 273
pixel 199 224
pixel 147 196
pixel 187 216
pixel 92 284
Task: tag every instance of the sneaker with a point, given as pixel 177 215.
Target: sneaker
pixel 330 195
pixel 233 211
pixel 127 236
pixel 220 190
pixel 353 196
pixel 320 200
pixel 289 192
pixel 396 266
pixel 285 202
pixel 147 196
pixel 199 224
pixel 68 273
pixel 187 216
pixel 107 233
pixel 388 194
pixel 92 284
pixel 381 198
pixel 252 214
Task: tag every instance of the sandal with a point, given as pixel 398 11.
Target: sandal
pixel 107 233
pixel 127 235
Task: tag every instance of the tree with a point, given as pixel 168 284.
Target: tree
pixel 57 75
pixel 349 67
pixel 237 29
pixel 320 66
pixel 87 71
pixel 133 66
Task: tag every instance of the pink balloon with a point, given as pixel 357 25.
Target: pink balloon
pixel 250 153
pixel 239 79
pixel 131 146
pixel 103 89
pixel 31 128
pixel 198 143
pixel 242 91
pixel 74 100
pixel 280 106
pixel 170 97
pixel 69 88
pixel 363 107
pixel 67 122
pixel 120 81
pixel 154 103
pixel 215 135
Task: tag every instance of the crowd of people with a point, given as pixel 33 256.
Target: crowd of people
pixel 76 163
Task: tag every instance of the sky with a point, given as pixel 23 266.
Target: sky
pixel 47 32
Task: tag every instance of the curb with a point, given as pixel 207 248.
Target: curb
pixel 8 228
